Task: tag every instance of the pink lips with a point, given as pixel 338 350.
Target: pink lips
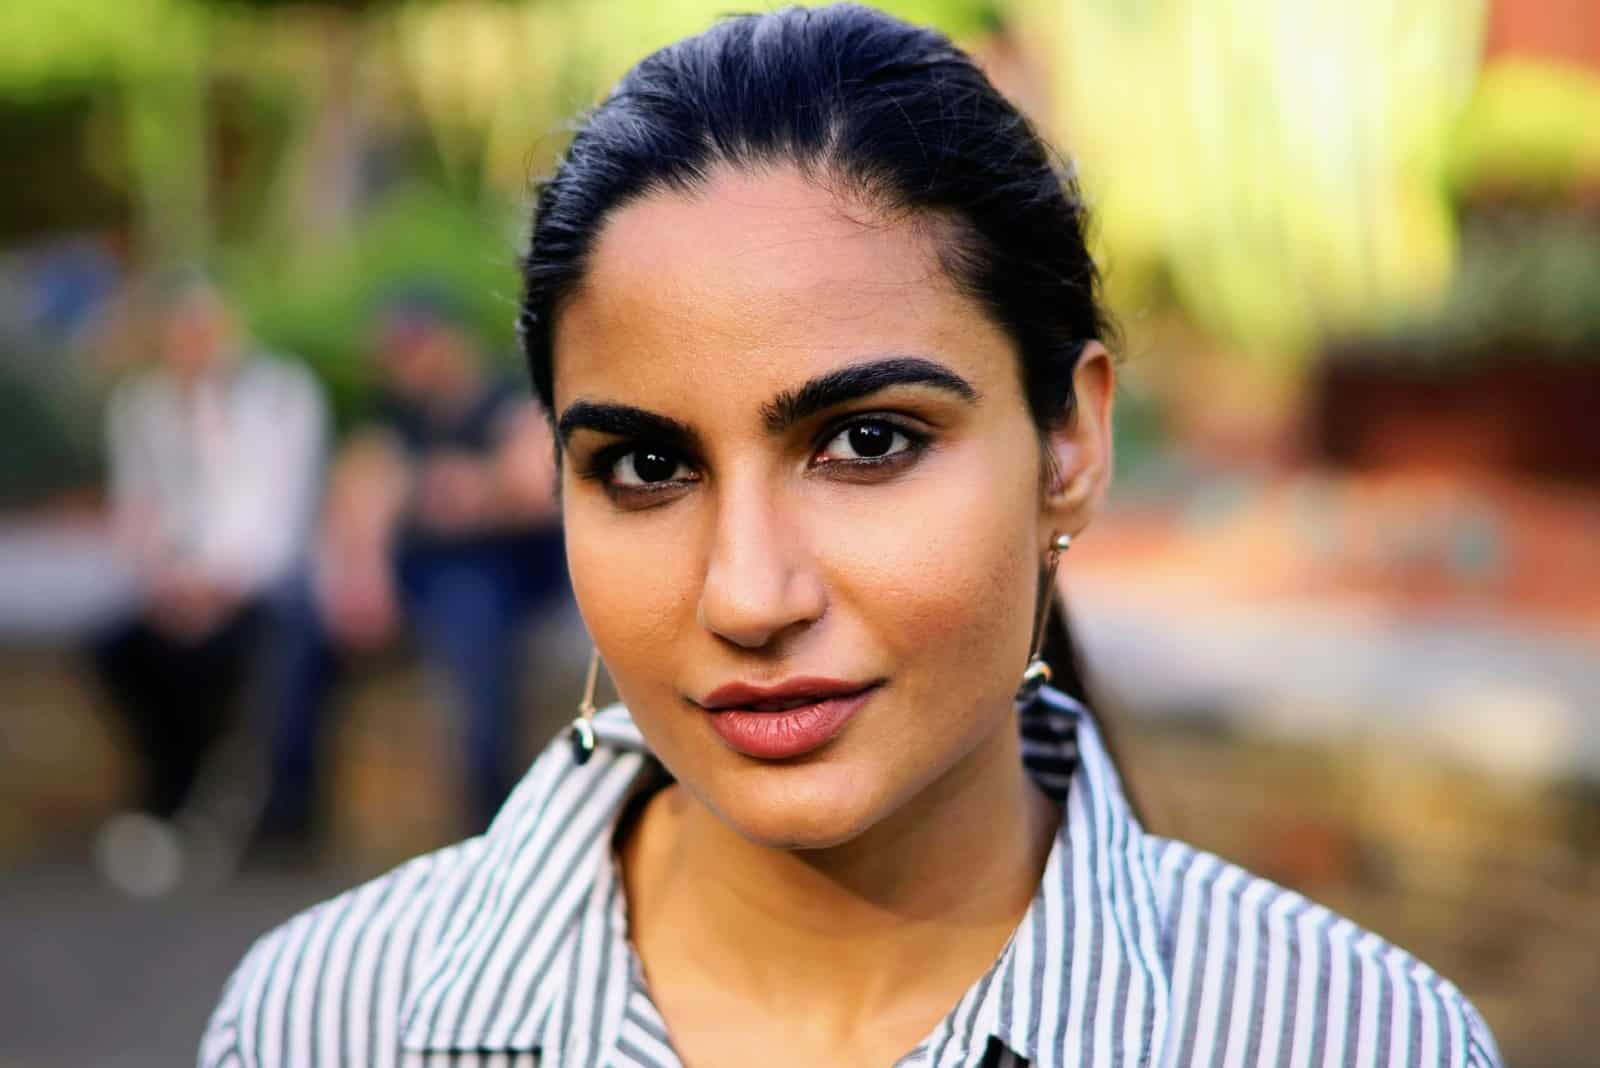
pixel 787 720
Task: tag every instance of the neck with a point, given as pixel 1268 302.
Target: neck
pixel 925 899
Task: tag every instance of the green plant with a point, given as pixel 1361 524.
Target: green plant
pixel 1528 284
pixel 319 305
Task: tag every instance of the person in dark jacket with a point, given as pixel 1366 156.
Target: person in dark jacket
pixel 440 517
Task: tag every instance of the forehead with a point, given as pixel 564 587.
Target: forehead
pixel 758 281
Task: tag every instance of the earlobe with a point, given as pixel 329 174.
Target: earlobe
pixel 1070 490
pixel 1075 489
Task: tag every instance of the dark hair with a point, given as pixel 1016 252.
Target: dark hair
pixel 879 109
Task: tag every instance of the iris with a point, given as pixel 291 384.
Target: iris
pixel 654 466
pixel 870 440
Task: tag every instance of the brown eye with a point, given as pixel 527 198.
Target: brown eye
pixel 648 466
pixel 870 439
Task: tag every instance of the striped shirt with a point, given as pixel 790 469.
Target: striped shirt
pixel 511 949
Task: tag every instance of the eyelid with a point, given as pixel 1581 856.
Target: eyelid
pixel 598 464
pixel 599 467
pixel 909 426
pixel 917 442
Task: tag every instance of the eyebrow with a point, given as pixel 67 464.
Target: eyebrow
pixel 623 421
pixel 858 381
pixel 783 411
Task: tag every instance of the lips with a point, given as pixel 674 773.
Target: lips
pixel 787 720
pixel 791 693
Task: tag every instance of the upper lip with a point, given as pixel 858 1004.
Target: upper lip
pixel 794 692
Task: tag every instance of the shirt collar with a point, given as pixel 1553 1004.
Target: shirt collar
pixel 536 955
pixel 1082 980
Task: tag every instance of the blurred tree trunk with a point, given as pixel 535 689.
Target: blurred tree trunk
pixel 326 182
pixel 169 148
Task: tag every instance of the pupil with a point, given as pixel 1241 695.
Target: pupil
pixel 654 466
pixel 871 439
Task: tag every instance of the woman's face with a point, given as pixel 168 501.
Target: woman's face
pixel 803 503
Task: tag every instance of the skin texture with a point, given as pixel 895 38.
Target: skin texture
pixel 844 899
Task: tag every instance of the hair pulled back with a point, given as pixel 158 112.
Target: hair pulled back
pixel 877 108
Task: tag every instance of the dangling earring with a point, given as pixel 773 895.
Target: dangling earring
pixel 581 733
pixel 1037 673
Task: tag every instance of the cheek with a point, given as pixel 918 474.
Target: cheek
pixel 629 579
pixel 944 574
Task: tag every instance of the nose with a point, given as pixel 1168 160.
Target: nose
pixel 761 580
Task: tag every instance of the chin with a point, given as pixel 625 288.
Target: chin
pixel 797 807
pixel 797 832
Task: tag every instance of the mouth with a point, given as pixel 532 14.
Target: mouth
pixel 784 721
pixel 787 695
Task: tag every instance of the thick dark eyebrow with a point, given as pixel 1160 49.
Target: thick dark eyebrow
pixel 857 381
pixel 624 421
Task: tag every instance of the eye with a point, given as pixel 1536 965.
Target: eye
pixel 865 441
pixel 648 466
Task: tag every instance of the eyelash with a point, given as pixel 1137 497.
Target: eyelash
pixel 601 465
pixel 916 441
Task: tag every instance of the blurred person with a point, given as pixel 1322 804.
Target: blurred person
pixel 440 517
pixel 215 456
pixel 814 316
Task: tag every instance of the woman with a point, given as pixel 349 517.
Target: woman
pixel 814 317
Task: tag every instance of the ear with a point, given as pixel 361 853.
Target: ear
pixel 1081 449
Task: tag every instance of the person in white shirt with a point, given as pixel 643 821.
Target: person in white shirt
pixel 215 458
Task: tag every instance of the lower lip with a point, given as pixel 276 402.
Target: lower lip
pixel 790 733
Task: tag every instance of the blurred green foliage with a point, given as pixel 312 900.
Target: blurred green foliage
pixel 1526 283
pixel 1532 127
pixel 319 305
pixel 1527 288
pixel 317 156
pixel 322 154
pixel 1277 166
pixel 60 46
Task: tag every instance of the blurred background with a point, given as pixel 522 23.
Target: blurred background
pixel 1345 609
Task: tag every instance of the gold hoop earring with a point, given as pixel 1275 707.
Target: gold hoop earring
pixel 1037 673
pixel 581 733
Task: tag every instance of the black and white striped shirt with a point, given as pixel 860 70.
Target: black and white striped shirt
pixel 510 949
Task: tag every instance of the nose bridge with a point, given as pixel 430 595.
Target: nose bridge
pixel 760 579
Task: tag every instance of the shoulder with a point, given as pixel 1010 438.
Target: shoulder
pixel 1261 975
pixel 336 974
pixel 392 963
